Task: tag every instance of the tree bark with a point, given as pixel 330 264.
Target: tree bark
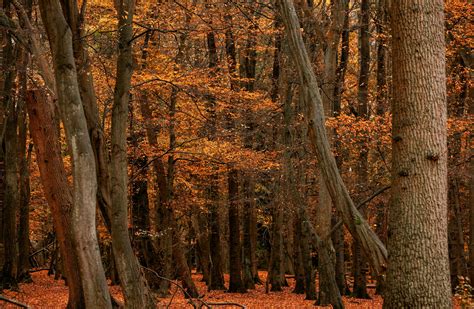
pixel 132 281
pixel 328 289
pixel 43 130
pixel 217 277
pixel 360 281
pixel 84 172
pixel 91 111
pixel 236 284
pixel 418 272
pixel 24 153
pixel 9 149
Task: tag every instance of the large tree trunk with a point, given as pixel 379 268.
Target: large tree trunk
pixel 418 272
pixel 84 172
pixel 91 111
pixel 314 113
pixel 133 283
pixel 43 129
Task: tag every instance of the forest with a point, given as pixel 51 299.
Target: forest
pixel 236 154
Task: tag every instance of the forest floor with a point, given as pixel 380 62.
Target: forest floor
pixel 45 292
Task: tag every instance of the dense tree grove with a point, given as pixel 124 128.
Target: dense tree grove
pixel 323 145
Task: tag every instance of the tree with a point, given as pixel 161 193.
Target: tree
pixel 314 114
pixel 85 183
pixel 133 283
pixel 418 272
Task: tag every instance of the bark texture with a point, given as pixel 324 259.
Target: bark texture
pixel 132 281
pixel 84 172
pixel 43 128
pixel 418 273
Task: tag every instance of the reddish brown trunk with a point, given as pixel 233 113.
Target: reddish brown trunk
pixel 56 186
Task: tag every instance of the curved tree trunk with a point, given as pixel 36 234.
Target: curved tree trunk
pixel 132 281
pixel 43 129
pixel 84 172
pixel 418 272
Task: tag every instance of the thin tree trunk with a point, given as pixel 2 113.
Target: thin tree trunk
pixel 217 276
pixel 382 88
pixel 25 156
pixel 276 271
pixel 297 256
pixel 418 206
pixel 235 250
pixel 84 172
pixel 328 289
pixel 132 281
pixel 360 281
pixel 12 199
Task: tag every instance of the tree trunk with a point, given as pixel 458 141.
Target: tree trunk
pixel 91 111
pixel 43 130
pixel 297 256
pixel 133 283
pixel 9 141
pixel 418 206
pixel 250 272
pixel 382 88
pixel 314 113
pixel 84 172
pixel 12 198
pixel 217 277
pixel 25 156
pixel 328 289
pixel 200 227
pixel 235 250
pixel 276 272
pixel 360 280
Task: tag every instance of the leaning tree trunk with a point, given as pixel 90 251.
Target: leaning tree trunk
pixel 314 112
pixel 43 129
pixel 132 281
pixel 85 182
pixel 418 272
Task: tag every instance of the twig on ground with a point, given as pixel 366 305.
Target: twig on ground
pixel 12 301
pixel 191 299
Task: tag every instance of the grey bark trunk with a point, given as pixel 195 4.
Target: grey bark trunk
pixel 418 206
pixel 84 172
